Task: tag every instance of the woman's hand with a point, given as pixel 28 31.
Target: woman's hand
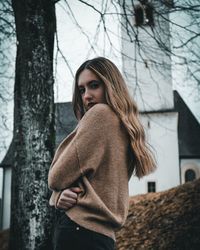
pixel 68 198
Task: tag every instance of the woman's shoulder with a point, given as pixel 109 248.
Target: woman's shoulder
pixel 100 113
pixel 102 110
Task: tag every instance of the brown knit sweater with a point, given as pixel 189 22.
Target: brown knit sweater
pixel 95 158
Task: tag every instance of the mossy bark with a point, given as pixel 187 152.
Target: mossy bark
pixel 31 217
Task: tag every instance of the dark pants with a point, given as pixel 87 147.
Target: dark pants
pixel 70 236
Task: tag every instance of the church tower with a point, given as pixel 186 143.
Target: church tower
pixel 146 61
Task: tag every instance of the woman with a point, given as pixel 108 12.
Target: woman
pixel 91 167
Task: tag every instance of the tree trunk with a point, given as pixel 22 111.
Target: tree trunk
pixel 31 217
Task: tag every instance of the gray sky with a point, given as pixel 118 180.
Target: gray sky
pixel 75 47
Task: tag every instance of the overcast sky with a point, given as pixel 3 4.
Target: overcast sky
pixel 74 46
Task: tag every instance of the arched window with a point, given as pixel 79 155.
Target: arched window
pixel 144 13
pixel 190 175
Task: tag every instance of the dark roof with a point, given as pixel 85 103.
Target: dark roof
pixel 8 159
pixel 188 129
pixel 65 120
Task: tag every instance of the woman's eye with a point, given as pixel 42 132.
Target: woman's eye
pixel 94 85
pixel 81 91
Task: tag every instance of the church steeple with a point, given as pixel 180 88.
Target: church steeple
pixel 146 54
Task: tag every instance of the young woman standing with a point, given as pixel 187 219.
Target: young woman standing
pixel 91 168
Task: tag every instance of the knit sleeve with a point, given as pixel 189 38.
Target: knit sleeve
pixel 54 198
pixel 87 150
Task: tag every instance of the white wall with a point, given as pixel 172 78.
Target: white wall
pixel 1 182
pixel 148 74
pixel 146 67
pixel 162 135
pixel 7 199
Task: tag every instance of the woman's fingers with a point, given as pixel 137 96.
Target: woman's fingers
pixel 68 198
pixel 64 205
pixel 68 194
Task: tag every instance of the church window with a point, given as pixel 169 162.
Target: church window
pixel 144 13
pixel 190 175
pixel 151 186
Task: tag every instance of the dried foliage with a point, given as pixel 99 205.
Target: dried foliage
pixel 4 238
pixel 165 220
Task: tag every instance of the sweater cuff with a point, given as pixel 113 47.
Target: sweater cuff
pixel 54 198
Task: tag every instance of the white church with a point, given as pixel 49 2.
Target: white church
pixel 171 128
pixel 148 72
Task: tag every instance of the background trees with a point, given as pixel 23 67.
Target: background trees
pixel 182 17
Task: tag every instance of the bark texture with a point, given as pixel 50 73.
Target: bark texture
pixel 31 218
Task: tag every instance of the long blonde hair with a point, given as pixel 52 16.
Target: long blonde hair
pixel 118 98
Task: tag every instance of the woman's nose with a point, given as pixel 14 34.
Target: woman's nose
pixel 87 95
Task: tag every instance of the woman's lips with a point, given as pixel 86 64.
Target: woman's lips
pixel 91 104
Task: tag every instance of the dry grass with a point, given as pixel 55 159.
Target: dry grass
pixel 4 236
pixel 166 220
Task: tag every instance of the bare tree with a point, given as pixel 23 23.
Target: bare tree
pixel 31 217
pixel 149 18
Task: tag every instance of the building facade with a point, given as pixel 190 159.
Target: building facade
pixel 147 69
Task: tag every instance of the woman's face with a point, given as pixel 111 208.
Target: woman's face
pixel 91 89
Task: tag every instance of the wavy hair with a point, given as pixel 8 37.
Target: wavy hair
pixel 118 98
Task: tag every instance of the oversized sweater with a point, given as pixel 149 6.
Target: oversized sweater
pixel 95 158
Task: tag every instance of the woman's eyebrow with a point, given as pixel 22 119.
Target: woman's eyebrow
pixel 94 81
pixel 88 83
